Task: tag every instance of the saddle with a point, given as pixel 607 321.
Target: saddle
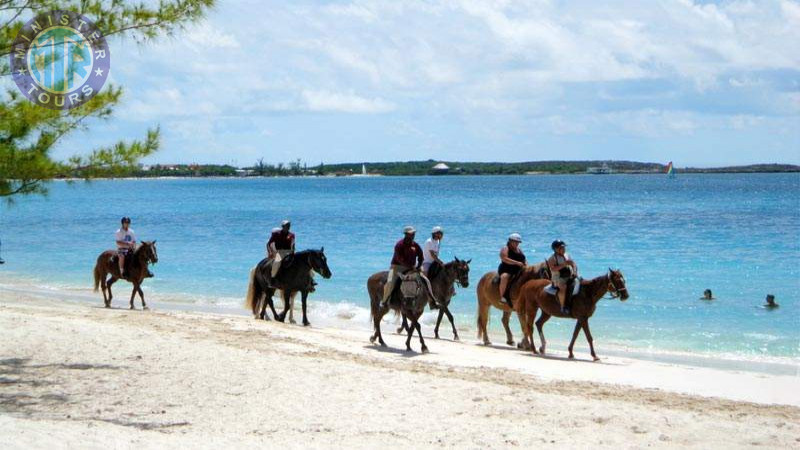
pixel 575 283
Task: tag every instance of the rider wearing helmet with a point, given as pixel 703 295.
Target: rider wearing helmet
pixel 407 256
pixel 512 261
pixel 280 244
pixel 562 268
pixel 126 243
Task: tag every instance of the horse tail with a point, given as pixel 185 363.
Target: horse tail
pixel 250 298
pixel 97 276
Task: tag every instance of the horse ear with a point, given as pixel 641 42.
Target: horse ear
pixel 456 257
pixel 322 250
pixel 154 241
pixel 469 261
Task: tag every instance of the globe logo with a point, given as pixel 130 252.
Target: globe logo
pixel 60 60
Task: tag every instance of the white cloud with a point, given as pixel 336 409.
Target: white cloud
pixel 344 102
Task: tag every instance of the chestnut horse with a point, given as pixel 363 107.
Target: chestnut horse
pixel 532 298
pixel 136 261
pixel 489 295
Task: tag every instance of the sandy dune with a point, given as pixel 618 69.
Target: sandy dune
pixel 79 376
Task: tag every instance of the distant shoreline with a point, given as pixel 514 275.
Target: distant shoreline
pixel 425 168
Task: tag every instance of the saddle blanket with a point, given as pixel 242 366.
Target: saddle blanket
pixel 550 289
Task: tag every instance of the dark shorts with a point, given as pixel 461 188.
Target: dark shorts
pixel 508 268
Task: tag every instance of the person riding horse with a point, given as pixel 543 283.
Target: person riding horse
pixel 562 270
pixel 512 261
pixel 406 252
pixel 126 243
pixel 430 251
pixel 279 246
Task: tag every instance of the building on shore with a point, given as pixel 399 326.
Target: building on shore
pixel 602 170
pixel 440 169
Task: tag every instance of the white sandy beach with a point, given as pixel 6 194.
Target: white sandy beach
pixel 75 375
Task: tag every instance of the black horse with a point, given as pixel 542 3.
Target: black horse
pixel 443 279
pixel 293 276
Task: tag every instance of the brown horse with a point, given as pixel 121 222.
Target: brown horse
pixel 137 263
pixel 489 295
pixel 456 271
pixel 532 298
pixel 410 308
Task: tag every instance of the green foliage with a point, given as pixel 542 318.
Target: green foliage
pixel 29 133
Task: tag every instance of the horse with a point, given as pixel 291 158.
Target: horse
pixel 532 298
pixel 295 275
pixel 489 295
pixel 411 308
pixel 442 281
pixel 136 262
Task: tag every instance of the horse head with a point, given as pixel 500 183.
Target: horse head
pixel 319 263
pixel 461 268
pixel 149 251
pixel 616 284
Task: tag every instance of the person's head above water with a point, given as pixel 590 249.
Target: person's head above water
pixel 771 301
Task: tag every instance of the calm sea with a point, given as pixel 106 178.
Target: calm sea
pixel 738 235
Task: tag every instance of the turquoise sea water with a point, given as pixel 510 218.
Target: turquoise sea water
pixel 738 235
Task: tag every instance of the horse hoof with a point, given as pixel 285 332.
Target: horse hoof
pixel 510 342
pixel 571 356
pixel 408 350
pixel 372 339
pixel 306 324
pixel 132 308
pixel 145 308
pixel 383 344
pixel 487 343
pixel 541 350
pixel 292 321
pixel 455 338
pixel 424 349
pixel 436 336
pixel 595 358
pixel 108 306
pixel 400 330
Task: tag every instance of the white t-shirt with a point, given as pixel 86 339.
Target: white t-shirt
pixel 430 244
pixel 125 236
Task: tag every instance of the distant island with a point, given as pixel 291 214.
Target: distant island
pixel 433 167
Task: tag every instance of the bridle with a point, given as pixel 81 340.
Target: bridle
pixel 613 290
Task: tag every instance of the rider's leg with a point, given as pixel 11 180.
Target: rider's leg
pixel 503 284
pixel 276 265
pixel 430 289
pixel 121 258
pixel 562 295
pixel 394 272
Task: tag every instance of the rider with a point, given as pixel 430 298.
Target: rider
pixel 512 260
pixel 280 244
pixel 430 250
pixel 407 255
pixel 562 268
pixel 126 243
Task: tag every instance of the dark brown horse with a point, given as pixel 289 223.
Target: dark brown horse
pixel 489 295
pixel 532 298
pixel 294 276
pixel 410 308
pixel 442 285
pixel 136 263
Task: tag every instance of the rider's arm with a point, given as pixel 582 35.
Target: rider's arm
pixel 554 268
pixel 420 257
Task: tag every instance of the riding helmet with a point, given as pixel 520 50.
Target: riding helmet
pixel 558 243
pixel 126 220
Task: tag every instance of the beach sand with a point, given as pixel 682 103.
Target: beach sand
pixel 75 375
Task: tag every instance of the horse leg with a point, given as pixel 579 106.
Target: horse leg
pixel 103 287
pixel 141 296
pixel 509 336
pixel 305 317
pixel 574 336
pixel 539 326
pixel 438 322
pixel 286 296
pixel 452 323
pixel 404 325
pixel 291 308
pixel 110 281
pixel 421 340
pixel 410 334
pixel 133 295
pixel 376 322
pixel 271 304
pixel 585 325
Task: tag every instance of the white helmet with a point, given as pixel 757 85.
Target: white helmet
pixel 437 229
pixel 409 230
pixel 285 222
pixel 515 237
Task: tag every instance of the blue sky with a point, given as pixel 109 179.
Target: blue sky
pixel 702 84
